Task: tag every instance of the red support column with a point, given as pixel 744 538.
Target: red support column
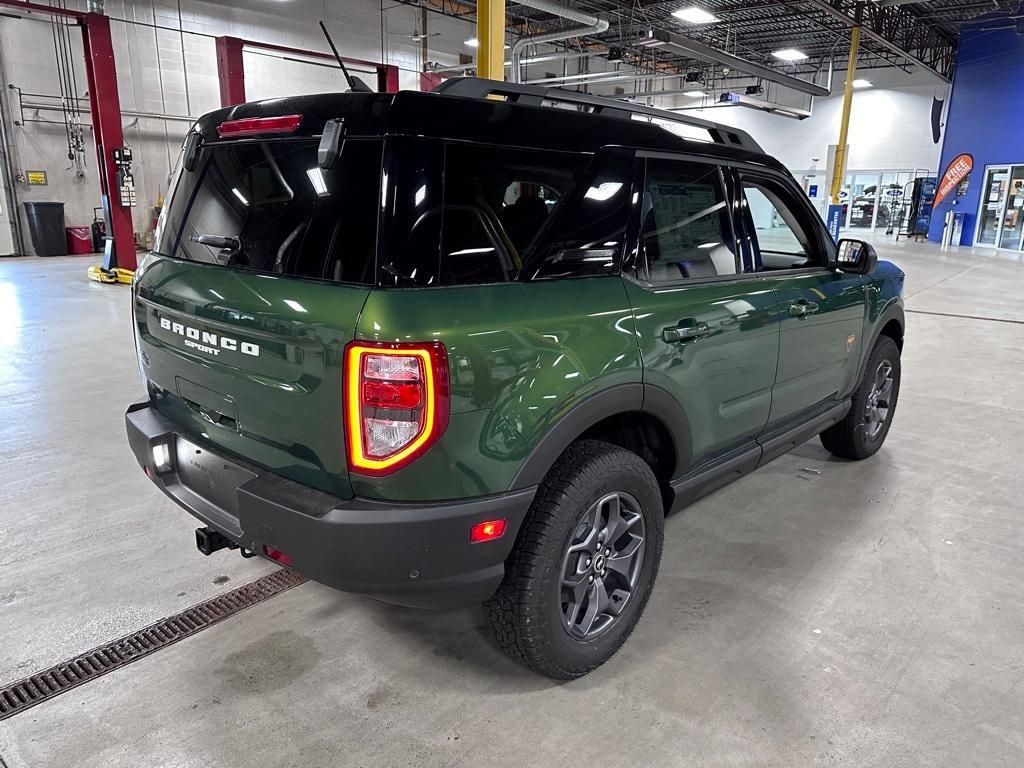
pixel 106 127
pixel 387 78
pixel 430 80
pixel 230 70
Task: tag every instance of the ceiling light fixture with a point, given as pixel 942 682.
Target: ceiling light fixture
pixel 695 15
pixel 695 94
pixel 790 54
pixel 861 83
pixel 472 42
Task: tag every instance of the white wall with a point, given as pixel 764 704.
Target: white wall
pixel 890 128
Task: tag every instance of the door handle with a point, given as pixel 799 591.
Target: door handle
pixel 677 334
pixel 802 308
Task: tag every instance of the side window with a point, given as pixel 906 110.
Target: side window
pixel 785 237
pixel 587 232
pixel 468 214
pixel 686 228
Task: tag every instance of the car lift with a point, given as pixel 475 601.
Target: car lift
pixel 105 107
pixel 117 186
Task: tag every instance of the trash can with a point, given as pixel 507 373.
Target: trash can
pixel 46 225
pixel 79 240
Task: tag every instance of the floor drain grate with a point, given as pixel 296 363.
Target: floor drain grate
pixel 62 677
pixel 967 317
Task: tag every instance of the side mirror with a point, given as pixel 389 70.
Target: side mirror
pixel 856 257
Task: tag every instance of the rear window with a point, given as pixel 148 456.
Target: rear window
pixel 267 206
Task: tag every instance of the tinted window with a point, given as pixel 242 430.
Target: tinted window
pixel 786 238
pixel 467 214
pixel 686 227
pixel 587 231
pixel 267 206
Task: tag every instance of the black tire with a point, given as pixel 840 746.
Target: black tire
pixel 528 612
pixel 856 436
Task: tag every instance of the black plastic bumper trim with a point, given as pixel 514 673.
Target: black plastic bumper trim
pixel 416 554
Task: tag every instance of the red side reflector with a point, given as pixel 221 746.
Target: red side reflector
pixel 259 126
pixel 492 529
pixel 278 555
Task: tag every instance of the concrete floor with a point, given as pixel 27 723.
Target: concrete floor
pixel 817 612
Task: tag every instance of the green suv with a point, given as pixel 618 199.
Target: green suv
pixel 472 346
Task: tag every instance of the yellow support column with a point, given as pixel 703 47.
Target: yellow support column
pixel 490 34
pixel 839 168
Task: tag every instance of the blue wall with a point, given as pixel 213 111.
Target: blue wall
pixel 986 110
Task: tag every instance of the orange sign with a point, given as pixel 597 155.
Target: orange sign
pixel 957 170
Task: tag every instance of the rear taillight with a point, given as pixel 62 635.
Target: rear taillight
pixel 259 126
pixel 396 403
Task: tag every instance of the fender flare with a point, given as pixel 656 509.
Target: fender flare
pixel 892 311
pixel 622 398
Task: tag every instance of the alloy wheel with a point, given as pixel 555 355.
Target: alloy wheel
pixel 879 403
pixel 601 565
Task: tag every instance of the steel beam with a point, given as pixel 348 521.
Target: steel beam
pixel 231 66
pixel 490 35
pixel 839 166
pixel 673 42
pixel 230 70
pixel 106 128
pixel 837 13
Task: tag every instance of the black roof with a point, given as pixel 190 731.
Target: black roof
pixel 437 115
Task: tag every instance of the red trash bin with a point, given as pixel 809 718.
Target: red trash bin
pixel 79 240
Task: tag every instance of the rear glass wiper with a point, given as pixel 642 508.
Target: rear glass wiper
pixel 230 247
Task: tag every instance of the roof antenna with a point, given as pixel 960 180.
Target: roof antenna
pixel 355 85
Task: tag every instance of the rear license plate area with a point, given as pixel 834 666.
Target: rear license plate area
pixel 210 476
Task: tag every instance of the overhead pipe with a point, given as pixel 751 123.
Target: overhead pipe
pixel 658 38
pixel 433 66
pixel 588 25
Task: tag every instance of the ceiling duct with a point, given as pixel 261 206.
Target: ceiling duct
pixel 588 25
pixel 659 38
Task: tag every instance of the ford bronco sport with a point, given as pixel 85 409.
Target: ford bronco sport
pixel 472 346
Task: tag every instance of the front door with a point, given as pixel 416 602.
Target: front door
pixel 703 318
pixel 820 311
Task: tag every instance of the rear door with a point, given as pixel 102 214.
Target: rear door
pixel 704 319
pixel 820 310
pixel 261 266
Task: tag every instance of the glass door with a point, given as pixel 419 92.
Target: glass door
pixel 863 201
pixel 1013 217
pixel 890 199
pixel 993 199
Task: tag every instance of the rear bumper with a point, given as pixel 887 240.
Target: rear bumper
pixel 406 553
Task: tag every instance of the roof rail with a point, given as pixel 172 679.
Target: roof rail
pixel 538 95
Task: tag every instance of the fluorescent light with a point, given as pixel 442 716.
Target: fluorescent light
pixel 695 94
pixel 316 178
pixel 239 195
pixel 695 15
pixel 790 54
pixel 475 43
pixel 861 83
pixel 604 191
pixel 470 251
pixel 295 305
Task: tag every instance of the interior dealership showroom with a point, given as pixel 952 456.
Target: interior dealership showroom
pixel 511 383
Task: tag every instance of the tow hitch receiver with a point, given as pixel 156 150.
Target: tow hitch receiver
pixel 209 541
